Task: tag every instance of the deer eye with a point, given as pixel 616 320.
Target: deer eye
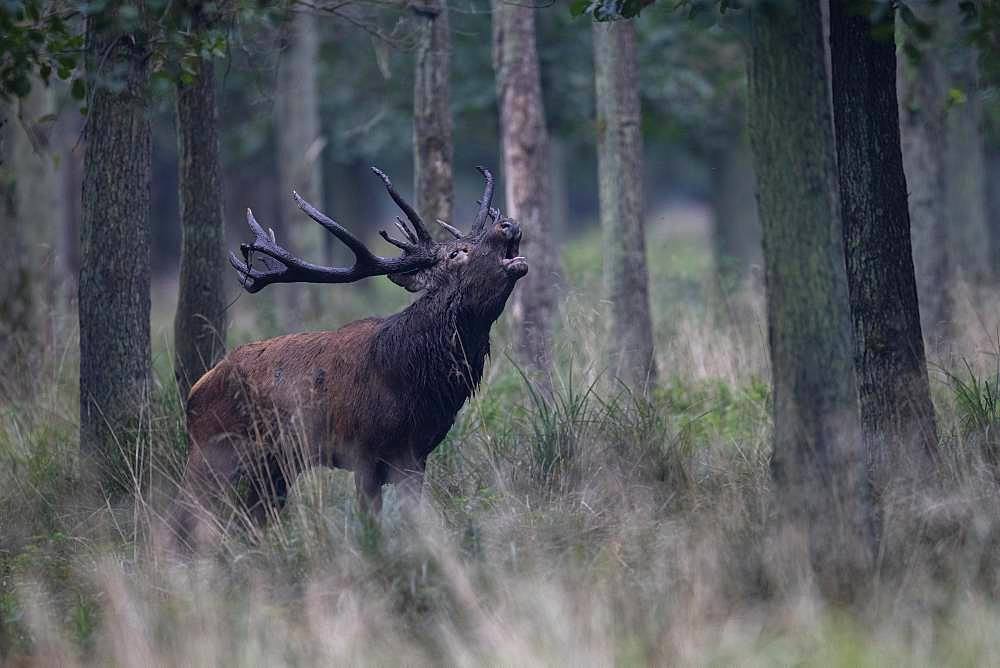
pixel 453 255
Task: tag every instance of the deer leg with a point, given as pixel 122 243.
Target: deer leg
pixel 209 472
pixel 409 482
pixel 268 491
pixel 368 479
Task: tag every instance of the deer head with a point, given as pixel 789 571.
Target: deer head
pixel 481 266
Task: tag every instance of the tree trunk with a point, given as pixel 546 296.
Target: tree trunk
pixel 965 167
pixel 35 207
pixel 524 143
pixel 735 226
pixel 819 460
pixel 19 308
pixel 200 321
pixel 922 93
pixel 68 243
pixel 619 157
pixel 300 145
pixel 114 245
pixel 897 415
pixel 559 157
pixel 432 125
pixel 993 208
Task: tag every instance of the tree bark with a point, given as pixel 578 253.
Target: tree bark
pixel 114 244
pixel 28 292
pixel 818 461
pixel 897 415
pixel 922 94
pixel 993 207
pixel 965 166
pixel 300 144
pixel 630 352
pixel 19 308
pixel 433 150
pixel 200 321
pixel 735 226
pixel 68 243
pixel 524 143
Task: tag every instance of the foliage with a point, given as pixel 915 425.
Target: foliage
pixel 38 39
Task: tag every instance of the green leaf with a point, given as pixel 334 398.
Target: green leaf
pixel 578 7
pixel 78 89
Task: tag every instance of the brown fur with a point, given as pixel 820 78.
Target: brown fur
pixel 375 396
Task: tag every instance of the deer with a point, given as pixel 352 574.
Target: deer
pixel 374 397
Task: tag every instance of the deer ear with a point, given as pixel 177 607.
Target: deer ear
pixel 413 281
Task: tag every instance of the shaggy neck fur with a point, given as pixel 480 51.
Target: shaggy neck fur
pixel 437 347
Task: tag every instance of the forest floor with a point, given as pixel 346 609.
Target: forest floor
pixel 597 527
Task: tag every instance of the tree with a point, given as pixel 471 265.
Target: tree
pixel 114 236
pixel 619 151
pixel 735 227
pixel 32 208
pixel 896 410
pixel 200 321
pixel 300 142
pixel 922 84
pixel 818 460
pixel 18 298
pixel 524 145
pixel 432 125
pixel 965 159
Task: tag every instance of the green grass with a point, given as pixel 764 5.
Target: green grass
pixel 586 525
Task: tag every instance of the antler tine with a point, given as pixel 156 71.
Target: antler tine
pixel 357 247
pixel 411 214
pixel 454 230
pixel 401 226
pixel 485 202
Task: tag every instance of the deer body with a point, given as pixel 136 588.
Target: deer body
pixel 374 397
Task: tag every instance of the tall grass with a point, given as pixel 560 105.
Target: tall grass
pixel 585 524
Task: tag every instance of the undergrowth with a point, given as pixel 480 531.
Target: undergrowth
pixel 575 522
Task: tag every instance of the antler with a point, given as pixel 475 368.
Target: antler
pixel 485 203
pixel 485 209
pixel 419 248
pixel 411 213
pixel 283 267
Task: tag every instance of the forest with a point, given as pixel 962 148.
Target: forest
pixel 689 351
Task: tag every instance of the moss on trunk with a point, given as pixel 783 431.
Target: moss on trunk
pixel 818 460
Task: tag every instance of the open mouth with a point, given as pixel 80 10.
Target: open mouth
pixel 510 250
pixel 513 263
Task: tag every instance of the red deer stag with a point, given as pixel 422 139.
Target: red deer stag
pixel 375 396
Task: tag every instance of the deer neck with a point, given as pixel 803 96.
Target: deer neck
pixel 436 346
